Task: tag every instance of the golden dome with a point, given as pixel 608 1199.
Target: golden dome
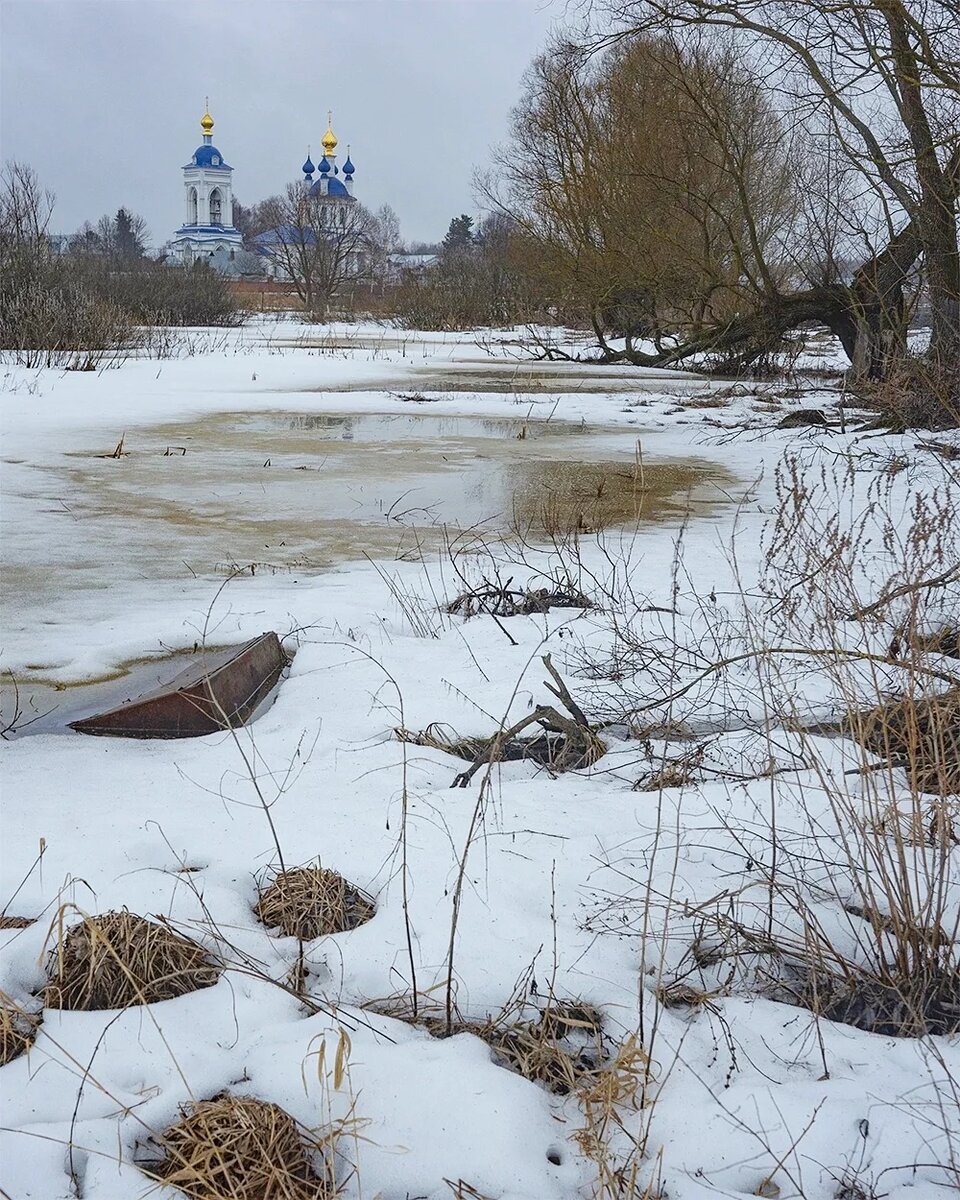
pixel 329 139
pixel 206 121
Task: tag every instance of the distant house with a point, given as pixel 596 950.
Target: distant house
pixel 240 263
pixel 59 243
pixel 403 266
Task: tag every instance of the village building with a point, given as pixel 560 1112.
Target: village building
pixel 208 232
pixel 332 191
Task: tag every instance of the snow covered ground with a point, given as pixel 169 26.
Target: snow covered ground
pixel 577 884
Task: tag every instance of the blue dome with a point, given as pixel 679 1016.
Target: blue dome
pixel 324 165
pixel 348 166
pixel 308 167
pixel 334 188
pixel 203 156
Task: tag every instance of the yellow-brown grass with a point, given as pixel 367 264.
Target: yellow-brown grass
pixel 18 1028
pixel 562 1048
pixel 14 922
pixel 922 734
pixel 120 959
pixel 312 902
pixel 241 1148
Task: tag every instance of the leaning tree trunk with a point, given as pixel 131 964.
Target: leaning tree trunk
pixel 936 212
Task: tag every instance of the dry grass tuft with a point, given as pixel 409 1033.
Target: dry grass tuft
pixel 312 902
pixel 13 922
pixel 18 1028
pixel 922 734
pixel 563 1048
pixel 241 1148
pixel 120 959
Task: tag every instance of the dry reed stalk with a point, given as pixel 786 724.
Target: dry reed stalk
pixel 18 1028
pixel 241 1148
pixel 312 902
pixel 13 922
pixel 935 824
pixel 120 959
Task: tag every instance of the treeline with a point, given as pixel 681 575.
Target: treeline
pixel 699 186
pixel 77 309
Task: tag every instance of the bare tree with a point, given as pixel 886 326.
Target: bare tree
pixel 317 242
pixel 887 75
pixel 657 186
pixel 384 241
pixel 25 211
pixel 122 237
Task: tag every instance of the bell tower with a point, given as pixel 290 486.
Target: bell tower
pixel 208 202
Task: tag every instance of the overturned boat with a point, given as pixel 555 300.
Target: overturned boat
pixel 219 690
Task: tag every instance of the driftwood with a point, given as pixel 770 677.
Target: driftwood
pixel 565 743
pixel 500 600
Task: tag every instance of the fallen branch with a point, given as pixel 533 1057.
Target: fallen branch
pixel 906 589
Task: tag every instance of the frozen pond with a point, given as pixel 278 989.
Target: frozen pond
pixel 285 490
pixel 523 379
pixel 189 504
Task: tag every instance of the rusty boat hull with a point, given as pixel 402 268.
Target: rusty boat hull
pixel 220 690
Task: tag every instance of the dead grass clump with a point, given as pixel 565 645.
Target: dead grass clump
pixel 18 1028
pixel 312 902
pixel 923 1004
pixel 120 959
pixel 922 735
pixel 13 922
pixel 563 1047
pixel 240 1148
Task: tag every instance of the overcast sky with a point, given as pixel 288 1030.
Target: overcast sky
pixel 103 97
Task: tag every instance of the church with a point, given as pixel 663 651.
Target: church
pixel 208 233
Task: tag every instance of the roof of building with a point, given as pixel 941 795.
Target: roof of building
pixel 209 156
pixel 284 235
pixel 334 188
pixel 235 262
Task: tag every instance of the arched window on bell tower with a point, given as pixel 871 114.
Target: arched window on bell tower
pixel 193 205
pixel 216 207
